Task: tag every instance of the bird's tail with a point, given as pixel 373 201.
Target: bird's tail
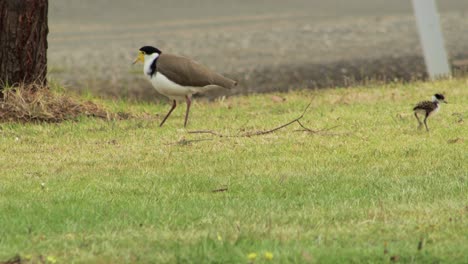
pixel 229 83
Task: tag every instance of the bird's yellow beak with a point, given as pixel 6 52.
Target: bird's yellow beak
pixel 141 57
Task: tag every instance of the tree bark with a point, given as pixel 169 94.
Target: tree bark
pixel 23 42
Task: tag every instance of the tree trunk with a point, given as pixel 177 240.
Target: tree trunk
pixel 23 42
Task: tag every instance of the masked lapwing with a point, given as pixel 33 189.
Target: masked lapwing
pixel 428 108
pixel 178 77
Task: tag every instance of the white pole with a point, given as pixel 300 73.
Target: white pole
pixel 432 41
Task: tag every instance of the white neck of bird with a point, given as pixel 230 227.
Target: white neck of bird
pixel 148 61
pixel 434 99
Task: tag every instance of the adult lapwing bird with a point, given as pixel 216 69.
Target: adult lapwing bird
pixel 428 108
pixel 178 77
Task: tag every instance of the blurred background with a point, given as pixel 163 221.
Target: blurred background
pixel 267 45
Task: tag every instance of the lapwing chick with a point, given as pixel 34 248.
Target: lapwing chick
pixel 428 108
pixel 178 77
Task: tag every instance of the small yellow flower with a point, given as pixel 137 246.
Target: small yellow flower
pixel 268 255
pixel 220 238
pixel 252 256
pixel 51 259
pixel 70 236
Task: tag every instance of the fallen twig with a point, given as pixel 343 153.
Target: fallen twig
pixel 188 142
pixel 258 133
pixel 315 131
pixel 207 132
pixel 220 190
pixel 264 132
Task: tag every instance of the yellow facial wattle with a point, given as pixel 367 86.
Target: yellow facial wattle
pixel 141 57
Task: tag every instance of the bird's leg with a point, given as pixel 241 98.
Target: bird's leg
pixel 425 118
pixel 189 102
pixel 174 104
pixel 419 121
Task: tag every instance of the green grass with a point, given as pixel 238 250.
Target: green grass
pixel 97 191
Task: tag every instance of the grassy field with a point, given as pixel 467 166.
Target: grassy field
pixel 374 189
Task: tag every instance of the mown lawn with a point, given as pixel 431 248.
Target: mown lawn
pixel 372 190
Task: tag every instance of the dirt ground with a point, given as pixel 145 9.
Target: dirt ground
pixel 266 45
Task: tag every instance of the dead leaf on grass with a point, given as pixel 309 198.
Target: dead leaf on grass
pixel 14 260
pixel 277 99
pixel 455 140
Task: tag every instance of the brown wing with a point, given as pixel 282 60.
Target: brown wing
pixel 425 105
pixel 187 72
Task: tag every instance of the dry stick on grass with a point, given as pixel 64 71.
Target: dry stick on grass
pixel 264 132
pixel 220 190
pixel 258 133
pixel 214 133
pixel 187 142
pixel 306 129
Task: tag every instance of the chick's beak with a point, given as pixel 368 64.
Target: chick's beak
pixel 140 57
pixel 445 102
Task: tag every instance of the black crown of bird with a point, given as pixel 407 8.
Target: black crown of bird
pixel 428 108
pixel 178 77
